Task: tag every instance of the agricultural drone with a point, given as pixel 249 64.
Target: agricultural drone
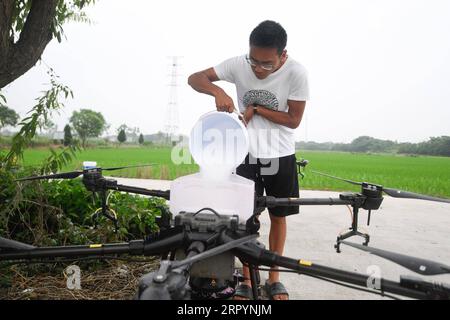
pixel 198 245
pixel 203 246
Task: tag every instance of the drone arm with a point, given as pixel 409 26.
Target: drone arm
pixel 71 251
pixel 253 254
pixel 433 289
pixel 136 247
pixel 309 268
pixel 165 244
pixel 270 202
pixel 8 244
pixel 142 191
pixel 265 257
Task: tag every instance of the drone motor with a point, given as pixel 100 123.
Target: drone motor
pixel 221 266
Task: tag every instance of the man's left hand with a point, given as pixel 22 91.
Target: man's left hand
pixel 249 113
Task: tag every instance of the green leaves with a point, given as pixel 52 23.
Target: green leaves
pixel 64 211
pixel 66 10
pixel 2 100
pixel 58 160
pixel 136 213
pixel 68 139
pixel 122 137
pixel 88 123
pixel 8 117
pixel 38 116
pixel 19 15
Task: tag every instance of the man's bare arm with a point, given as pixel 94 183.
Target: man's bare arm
pixel 202 82
pixel 290 119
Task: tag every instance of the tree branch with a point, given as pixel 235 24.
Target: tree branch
pixel 35 36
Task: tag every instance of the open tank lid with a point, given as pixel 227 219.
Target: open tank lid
pixel 218 143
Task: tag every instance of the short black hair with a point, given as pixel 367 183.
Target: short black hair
pixel 269 34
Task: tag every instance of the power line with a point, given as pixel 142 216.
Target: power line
pixel 172 122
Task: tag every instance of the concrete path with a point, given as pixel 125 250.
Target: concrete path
pixel 413 227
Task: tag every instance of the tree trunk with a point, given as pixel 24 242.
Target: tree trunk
pixel 6 10
pixel 17 58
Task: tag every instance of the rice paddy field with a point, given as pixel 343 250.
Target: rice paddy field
pixel 422 174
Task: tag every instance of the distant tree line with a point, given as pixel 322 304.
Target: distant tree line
pixel 435 146
pixel 84 125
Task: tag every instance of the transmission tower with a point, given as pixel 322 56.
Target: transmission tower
pixel 172 126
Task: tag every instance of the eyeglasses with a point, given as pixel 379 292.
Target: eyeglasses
pixel 253 63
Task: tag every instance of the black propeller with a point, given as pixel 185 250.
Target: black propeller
pixel 75 174
pixel 411 195
pixel 66 175
pixel 418 265
pixel 126 167
pixel 392 192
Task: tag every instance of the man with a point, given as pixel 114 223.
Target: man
pixel 272 91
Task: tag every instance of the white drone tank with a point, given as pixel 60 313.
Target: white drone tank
pixel 218 143
pixel 89 165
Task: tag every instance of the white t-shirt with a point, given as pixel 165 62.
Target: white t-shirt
pixel 290 82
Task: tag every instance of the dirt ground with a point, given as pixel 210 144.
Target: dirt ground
pixel 113 280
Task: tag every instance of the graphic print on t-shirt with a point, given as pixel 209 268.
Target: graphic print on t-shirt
pixel 261 97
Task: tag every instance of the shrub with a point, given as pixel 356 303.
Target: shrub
pixel 60 213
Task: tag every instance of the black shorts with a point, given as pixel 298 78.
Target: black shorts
pixel 278 177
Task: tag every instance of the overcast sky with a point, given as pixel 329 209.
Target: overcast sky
pixel 378 68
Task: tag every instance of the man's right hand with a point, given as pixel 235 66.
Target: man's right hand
pixel 224 103
pixel 202 81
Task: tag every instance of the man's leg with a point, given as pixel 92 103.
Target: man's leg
pixel 250 170
pixel 283 184
pixel 277 239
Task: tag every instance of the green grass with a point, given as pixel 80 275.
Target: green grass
pixel 422 174
pixel 112 157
